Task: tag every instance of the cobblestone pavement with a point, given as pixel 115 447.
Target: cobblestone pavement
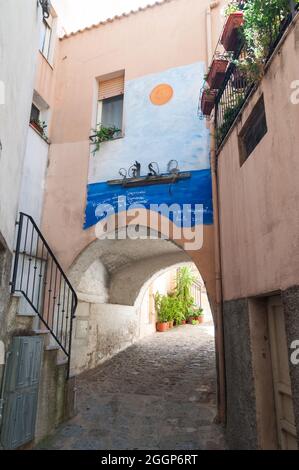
pixel 157 394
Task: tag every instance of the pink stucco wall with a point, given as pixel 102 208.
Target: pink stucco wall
pixel 259 201
pixel 154 40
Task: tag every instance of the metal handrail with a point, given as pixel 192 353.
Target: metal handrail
pixel 38 276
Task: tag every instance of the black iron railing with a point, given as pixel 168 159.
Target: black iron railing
pixel 236 86
pixel 38 276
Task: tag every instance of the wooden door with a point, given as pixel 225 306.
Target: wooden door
pixel 21 391
pixel 285 419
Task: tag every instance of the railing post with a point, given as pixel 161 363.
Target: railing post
pixel 17 252
pixel 72 316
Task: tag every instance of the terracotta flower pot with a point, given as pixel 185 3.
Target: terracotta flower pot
pixel 170 324
pixel 217 73
pixel 208 102
pixel 230 38
pixel 200 319
pixel 161 327
pixel 183 322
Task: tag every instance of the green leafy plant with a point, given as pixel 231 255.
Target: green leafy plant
pixel 185 279
pixel 198 312
pixel 169 308
pixel 195 322
pixel 41 126
pixel 233 7
pixel 103 134
pixel 228 118
pixel 262 24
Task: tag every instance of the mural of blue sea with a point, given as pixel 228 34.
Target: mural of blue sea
pixel 196 190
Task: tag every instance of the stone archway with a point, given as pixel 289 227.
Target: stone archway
pixel 126 265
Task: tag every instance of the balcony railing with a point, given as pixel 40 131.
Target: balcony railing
pixel 237 86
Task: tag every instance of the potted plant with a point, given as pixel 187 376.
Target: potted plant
pixel 178 311
pixel 208 101
pixel 199 315
pixel 102 134
pixel 190 315
pixel 185 280
pixel 230 38
pixel 40 126
pixel 162 313
pixel 216 74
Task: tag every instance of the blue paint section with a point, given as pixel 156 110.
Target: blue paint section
pixel 196 190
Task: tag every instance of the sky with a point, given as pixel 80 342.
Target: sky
pixel 76 14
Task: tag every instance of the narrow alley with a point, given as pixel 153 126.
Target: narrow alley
pixel 149 268
pixel 158 394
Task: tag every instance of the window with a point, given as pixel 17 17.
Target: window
pixel 35 112
pixel 45 37
pixel 253 131
pixel 110 103
pixel 112 110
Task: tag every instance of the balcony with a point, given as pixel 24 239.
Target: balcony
pixel 247 43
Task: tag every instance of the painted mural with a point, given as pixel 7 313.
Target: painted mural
pixel 160 125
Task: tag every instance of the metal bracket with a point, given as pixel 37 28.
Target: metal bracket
pixel 46 5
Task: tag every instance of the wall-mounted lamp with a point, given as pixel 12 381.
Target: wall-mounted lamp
pixel 45 4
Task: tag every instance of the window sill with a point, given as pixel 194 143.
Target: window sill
pixel 40 134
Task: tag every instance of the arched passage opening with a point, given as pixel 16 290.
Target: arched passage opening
pixel 110 275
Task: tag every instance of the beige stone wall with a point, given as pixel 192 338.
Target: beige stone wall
pixel 101 331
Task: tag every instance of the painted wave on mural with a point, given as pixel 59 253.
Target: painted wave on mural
pixel 196 190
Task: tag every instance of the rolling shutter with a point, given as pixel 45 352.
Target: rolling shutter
pixel 110 88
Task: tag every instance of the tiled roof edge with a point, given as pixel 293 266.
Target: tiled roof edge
pixel 115 18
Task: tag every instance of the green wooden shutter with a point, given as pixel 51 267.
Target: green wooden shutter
pixel 21 391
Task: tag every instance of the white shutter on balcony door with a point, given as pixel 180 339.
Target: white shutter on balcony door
pixel 110 88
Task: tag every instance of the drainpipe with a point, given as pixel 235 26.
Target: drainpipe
pixel 219 334
pixel 209 30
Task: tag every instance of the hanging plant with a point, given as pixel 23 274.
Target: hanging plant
pixel 216 73
pixel 208 98
pixel 102 134
pixel 232 34
pixel 263 21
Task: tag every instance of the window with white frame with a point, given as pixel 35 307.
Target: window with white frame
pixel 46 37
pixel 110 103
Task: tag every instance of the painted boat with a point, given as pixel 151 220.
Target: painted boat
pixel 150 180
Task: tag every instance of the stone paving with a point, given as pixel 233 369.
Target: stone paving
pixel 159 394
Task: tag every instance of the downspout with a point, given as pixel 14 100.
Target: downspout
pixel 219 333
pixel 209 30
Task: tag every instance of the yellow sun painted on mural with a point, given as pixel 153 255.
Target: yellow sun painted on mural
pixel 161 94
